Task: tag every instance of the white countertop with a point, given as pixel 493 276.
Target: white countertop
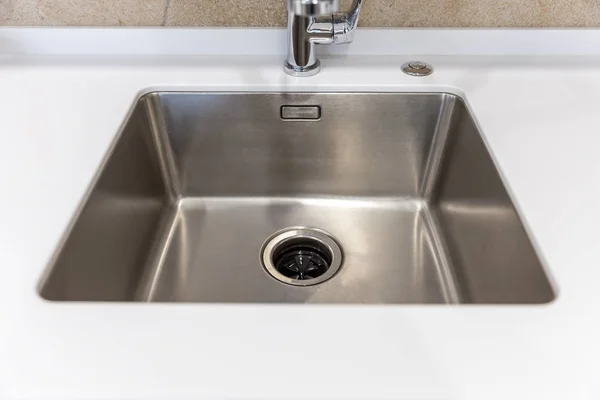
pixel 540 116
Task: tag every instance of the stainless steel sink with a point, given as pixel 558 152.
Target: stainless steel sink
pixel 243 197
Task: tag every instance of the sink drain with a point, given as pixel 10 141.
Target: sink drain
pixel 301 256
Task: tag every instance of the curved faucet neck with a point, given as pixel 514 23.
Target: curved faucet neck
pixel 345 23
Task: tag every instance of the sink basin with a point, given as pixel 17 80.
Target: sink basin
pixel 298 198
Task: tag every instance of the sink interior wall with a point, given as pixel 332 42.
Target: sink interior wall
pixel 493 258
pixel 197 181
pixel 103 255
pixel 238 145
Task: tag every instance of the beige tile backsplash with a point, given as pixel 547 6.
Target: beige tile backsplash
pixel 376 13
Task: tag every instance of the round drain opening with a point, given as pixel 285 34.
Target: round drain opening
pixel 301 256
pixel 302 259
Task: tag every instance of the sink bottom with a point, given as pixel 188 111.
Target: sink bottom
pixel 208 250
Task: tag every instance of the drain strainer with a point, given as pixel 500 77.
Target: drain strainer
pixel 301 256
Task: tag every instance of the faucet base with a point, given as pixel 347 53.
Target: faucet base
pixel 302 71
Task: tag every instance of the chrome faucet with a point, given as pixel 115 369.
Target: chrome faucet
pixel 313 22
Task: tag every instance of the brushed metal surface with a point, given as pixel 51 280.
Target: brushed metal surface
pixel 196 182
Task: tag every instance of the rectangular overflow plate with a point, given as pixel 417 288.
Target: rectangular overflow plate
pixel 301 113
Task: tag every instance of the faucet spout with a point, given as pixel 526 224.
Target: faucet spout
pixel 312 23
pixel 345 23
